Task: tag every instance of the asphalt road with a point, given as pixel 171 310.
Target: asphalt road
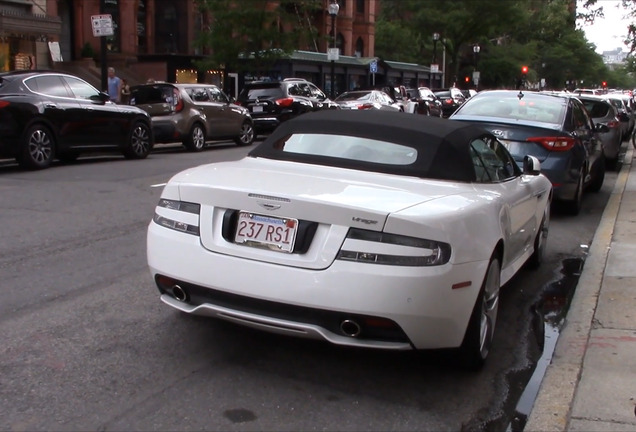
pixel 87 345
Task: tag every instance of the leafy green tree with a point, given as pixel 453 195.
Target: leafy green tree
pixel 251 35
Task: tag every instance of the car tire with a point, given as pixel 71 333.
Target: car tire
pixel 68 156
pixel 247 135
pixel 540 241
pixel 38 149
pixel 481 327
pixel 599 176
pixel 195 142
pixel 139 142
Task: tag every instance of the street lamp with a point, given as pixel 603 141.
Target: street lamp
pixel 333 9
pixel 476 49
pixel 435 39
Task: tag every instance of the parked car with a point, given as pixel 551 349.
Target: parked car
pixel 193 114
pixel 603 112
pixel 425 102
pixel 367 100
pixel 468 93
pixel 47 115
pixel 452 98
pixel 273 102
pixel 556 128
pixel 365 229
pixel 622 107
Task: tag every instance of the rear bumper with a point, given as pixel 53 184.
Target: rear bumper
pixel 419 300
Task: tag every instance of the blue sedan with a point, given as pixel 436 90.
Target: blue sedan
pixel 555 128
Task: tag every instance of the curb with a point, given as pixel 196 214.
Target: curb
pixel 553 406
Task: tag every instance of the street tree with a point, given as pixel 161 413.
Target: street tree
pixel 249 36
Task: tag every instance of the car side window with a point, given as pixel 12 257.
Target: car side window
pixel 316 92
pixel 81 89
pixel 216 95
pixel 491 161
pixel 581 119
pixel 51 85
pixel 198 94
pixel 294 90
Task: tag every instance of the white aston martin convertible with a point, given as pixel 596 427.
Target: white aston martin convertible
pixel 363 228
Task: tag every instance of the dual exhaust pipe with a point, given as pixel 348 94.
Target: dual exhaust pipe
pixel 348 327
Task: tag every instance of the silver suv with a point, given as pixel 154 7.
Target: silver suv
pixel 193 114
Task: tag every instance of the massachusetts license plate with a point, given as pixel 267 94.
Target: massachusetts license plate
pixel 269 232
pixel 257 109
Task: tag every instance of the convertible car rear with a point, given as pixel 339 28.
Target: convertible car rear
pixel 368 229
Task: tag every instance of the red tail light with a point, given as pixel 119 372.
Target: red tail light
pixel 365 106
pixel 613 123
pixel 4 104
pixel 285 102
pixel 448 101
pixel 237 103
pixel 177 102
pixel 558 144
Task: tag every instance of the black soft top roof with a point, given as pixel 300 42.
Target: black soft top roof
pixel 443 146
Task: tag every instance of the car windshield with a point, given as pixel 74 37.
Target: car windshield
pixel 510 106
pixel 350 96
pixel 349 147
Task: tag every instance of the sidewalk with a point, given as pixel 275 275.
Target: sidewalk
pixel 590 385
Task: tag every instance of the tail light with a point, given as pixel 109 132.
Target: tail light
pixel 4 104
pixel 448 101
pixel 365 106
pixel 612 124
pixel 177 101
pixel 557 144
pixel 285 102
pixel 237 103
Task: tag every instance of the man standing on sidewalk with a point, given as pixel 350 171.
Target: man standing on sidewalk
pixel 114 85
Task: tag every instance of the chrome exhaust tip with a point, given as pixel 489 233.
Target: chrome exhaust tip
pixel 350 328
pixel 179 293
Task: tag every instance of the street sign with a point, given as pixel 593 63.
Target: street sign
pixel 373 67
pixel 434 68
pixel 333 54
pixel 102 25
pixel 476 76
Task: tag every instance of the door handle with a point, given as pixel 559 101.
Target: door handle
pixel 50 105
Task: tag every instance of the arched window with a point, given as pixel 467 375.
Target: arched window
pixel 359 48
pixel 340 43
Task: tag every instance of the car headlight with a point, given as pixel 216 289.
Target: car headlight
pixel 392 249
pixel 178 215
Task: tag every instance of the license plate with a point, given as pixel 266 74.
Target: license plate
pixel 269 232
pixel 257 109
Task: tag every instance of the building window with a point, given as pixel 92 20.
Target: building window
pixel 111 7
pixel 360 6
pixel 142 36
pixel 359 47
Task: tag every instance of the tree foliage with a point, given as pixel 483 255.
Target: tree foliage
pixel 251 35
pixel 540 34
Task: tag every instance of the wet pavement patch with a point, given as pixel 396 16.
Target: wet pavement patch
pixel 549 314
pixel 239 415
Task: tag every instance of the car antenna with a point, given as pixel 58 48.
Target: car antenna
pixel 520 95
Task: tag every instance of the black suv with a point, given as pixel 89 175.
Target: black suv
pixel 272 102
pixel 452 98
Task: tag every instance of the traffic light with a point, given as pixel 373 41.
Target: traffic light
pixel 466 79
pixel 604 83
pixel 524 70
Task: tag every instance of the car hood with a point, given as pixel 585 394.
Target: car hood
pixel 335 198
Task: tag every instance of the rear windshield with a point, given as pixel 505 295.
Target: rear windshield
pixel 353 96
pixel 443 94
pixel 349 147
pixel 597 109
pixel 263 92
pixel 509 106
pixel 145 95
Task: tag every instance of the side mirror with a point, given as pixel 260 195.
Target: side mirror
pixel 531 165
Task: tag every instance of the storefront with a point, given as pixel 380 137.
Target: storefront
pixel 24 36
